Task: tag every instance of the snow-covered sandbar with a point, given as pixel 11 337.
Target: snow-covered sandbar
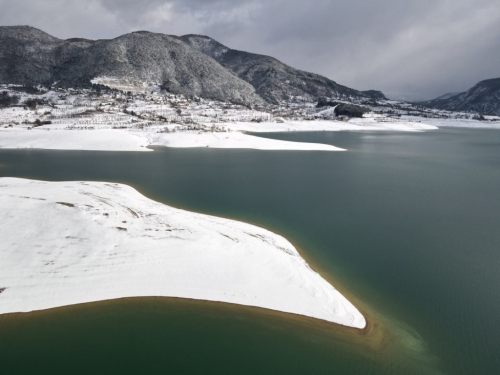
pixel 67 243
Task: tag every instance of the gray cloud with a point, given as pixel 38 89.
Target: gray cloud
pixel 414 49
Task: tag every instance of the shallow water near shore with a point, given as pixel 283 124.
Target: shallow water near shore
pixel 404 224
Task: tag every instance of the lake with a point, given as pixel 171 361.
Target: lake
pixel 406 225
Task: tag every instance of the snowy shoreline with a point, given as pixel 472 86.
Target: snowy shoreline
pixel 235 137
pixel 67 243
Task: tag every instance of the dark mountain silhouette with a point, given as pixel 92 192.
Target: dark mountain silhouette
pixel 483 98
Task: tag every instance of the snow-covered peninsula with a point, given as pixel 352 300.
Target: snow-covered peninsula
pixel 67 243
pixel 230 135
pixel 133 140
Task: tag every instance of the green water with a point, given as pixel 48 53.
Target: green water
pixel 408 225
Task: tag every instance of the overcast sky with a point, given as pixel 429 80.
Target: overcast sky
pixel 413 49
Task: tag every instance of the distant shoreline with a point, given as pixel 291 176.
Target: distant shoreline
pixel 234 136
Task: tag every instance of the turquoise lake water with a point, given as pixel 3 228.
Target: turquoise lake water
pixel 407 225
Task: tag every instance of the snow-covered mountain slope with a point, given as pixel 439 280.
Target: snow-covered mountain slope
pixel 483 98
pixel 272 79
pixel 66 243
pixel 31 56
pixel 132 62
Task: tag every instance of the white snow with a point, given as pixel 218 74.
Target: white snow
pixel 93 140
pixel 463 123
pixel 233 140
pixel 130 140
pixel 67 243
pixel 55 137
pixel 122 84
pixel 374 123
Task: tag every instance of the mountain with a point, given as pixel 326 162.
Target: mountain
pixel 192 65
pixel 448 95
pixel 27 55
pixel 483 98
pixel 131 62
pixel 273 80
pixel 374 94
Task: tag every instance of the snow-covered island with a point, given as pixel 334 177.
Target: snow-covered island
pixel 67 243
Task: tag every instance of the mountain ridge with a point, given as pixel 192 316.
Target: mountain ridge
pixel 272 79
pixel 144 60
pixel 130 62
pixel 483 97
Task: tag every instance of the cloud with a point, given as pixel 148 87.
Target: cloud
pixel 413 48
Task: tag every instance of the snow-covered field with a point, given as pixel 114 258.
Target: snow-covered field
pixel 66 243
pixel 96 140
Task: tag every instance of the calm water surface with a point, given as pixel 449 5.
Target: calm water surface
pixel 407 225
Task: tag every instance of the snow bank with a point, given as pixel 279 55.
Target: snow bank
pixel 92 140
pixel 66 243
pixel 133 140
pixel 233 140
pixel 463 123
pixel 376 123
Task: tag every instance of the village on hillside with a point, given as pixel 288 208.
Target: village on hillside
pixel 104 108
